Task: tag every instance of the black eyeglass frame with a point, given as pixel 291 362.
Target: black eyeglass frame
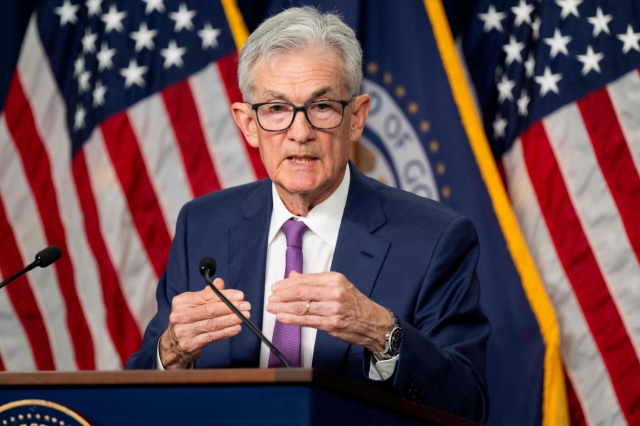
pixel 302 108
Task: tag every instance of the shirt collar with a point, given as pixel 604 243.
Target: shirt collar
pixel 324 219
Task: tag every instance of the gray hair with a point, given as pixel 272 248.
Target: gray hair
pixel 295 29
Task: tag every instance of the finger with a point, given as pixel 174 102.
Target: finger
pixel 218 283
pixel 190 331
pixel 324 309
pixel 316 279
pixel 207 296
pixel 202 340
pixel 204 296
pixel 329 324
pixel 192 314
pixel 306 292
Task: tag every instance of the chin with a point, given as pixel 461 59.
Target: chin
pixel 300 187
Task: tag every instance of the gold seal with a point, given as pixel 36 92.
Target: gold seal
pixel 39 412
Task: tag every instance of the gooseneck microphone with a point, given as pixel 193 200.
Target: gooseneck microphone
pixel 207 269
pixel 44 258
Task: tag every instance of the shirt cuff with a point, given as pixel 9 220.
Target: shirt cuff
pixel 159 365
pixel 382 370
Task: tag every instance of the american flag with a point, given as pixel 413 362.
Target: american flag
pixel 117 114
pixel 559 89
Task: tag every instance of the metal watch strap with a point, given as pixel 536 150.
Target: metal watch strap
pixel 395 324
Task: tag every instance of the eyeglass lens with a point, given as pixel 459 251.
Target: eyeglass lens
pixel 279 116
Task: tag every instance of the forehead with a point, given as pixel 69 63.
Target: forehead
pixel 299 76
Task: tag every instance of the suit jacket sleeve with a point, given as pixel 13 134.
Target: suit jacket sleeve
pixel 442 354
pixel 173 282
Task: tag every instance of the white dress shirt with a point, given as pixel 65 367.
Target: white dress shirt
pixel 318 245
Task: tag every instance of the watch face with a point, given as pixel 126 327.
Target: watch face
pixel 395 340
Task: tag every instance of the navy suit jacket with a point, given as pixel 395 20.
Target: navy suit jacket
pixel 412 255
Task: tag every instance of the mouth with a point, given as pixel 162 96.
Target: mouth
pixel 301 160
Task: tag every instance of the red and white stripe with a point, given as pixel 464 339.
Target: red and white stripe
pixel 573 179
pixel 111 208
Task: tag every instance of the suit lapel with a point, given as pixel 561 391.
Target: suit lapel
pixel 359 255
pixel 247 260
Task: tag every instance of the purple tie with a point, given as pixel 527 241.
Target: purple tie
pixel 287 337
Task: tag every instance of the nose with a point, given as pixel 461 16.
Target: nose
pixel 301 130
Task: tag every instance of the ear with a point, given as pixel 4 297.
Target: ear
pixel 246 120
pixel 359 113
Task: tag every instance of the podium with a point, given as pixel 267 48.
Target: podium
pixel 236 397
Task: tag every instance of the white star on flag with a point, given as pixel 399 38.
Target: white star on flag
pixel 83 82
pixel 94 7
pixel 154 5
pixel 558 43
pixel 183 18
pixel 535 28
pixel 133 74
pixel 630 40
pixel 173 55
pixel 78 66
pixel 499 127
pixel 98 94
pixel 144 37
pixel 67 12
pixel 522 12
pixel 569 7
pixel 590 61
pixel 523 103
pixel 78 118
pixel 89 41
pixel 548 82
pixel 492 19
pixel 113 19
pixel 209 36
pixel 512 49
pixel 600 22
pixel 505 87
pixel 529 65
pixel 104 57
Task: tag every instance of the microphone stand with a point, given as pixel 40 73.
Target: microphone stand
pixel 256 331
pixel 19 273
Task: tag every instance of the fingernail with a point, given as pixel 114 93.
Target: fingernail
pixel 245 306
pixel 275 287
pixel 269 306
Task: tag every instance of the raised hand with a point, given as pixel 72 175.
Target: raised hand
pixel 198 319
pixel 328 301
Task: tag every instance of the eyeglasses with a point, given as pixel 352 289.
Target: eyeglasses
pixel 279 116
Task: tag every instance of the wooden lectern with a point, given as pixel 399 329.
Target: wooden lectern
pixel 204 397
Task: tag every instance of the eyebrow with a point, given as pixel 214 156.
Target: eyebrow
pixel 322 91
pixel 316 94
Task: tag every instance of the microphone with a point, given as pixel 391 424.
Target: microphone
pixel 44 258
pixel 207 269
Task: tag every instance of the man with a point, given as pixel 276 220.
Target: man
pixel 381 283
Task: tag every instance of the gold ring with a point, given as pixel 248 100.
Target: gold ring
pixel 306 310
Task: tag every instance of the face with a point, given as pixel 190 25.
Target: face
pixel 303 161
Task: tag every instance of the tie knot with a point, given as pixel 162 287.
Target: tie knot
pixel 293 231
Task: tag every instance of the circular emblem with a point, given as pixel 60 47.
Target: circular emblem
pixel 397 156
pixel 38 412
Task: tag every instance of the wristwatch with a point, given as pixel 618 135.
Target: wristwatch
pixel 393 339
